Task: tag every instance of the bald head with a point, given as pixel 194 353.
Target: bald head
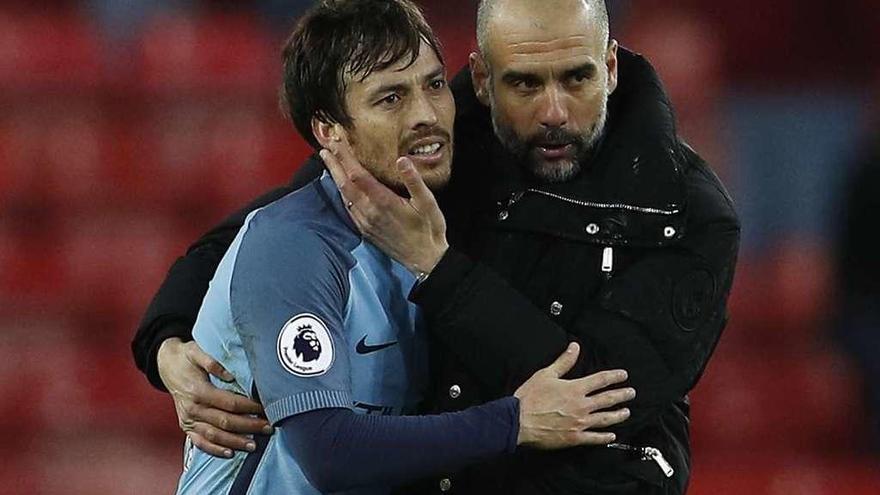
pixel 502 15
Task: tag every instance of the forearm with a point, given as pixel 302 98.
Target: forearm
pixel 338 449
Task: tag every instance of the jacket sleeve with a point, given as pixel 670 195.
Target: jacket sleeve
pixel 659 319
pixel 173 309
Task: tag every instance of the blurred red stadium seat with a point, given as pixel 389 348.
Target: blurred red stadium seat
pixel 54 154
pixel 163 168
pixel 48 50
pixel 115 262
pixel 96 461
pixel 756 473
pixel 31 271
pixel 784 404
pixel 781 302
pixel 18 474
pixel 36 360
pixel 204 54
pixel 119 397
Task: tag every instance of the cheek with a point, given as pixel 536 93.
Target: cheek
pixel 447 108
pixel 377 137
pixel 587 109
pixel 514 112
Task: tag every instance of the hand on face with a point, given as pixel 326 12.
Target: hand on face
pixel 410 230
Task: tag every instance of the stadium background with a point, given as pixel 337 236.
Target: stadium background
pixel 129 127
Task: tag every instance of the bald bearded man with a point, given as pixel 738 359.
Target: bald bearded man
pixel 575 212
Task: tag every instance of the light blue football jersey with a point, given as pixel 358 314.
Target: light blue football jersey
pixel 306 315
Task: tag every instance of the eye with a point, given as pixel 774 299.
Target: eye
pixel 580 77
pixel 526 85
pixel 389 100
pixel 438 84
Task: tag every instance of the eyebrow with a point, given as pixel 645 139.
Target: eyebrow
pixel 512 76
pixel 586 69
pixel 399 87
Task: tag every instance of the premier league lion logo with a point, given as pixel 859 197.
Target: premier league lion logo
pixel 306 344
pixel 305 347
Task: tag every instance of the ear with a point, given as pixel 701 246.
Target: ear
pixel 480 77
pixel 611 65
pixel 325 132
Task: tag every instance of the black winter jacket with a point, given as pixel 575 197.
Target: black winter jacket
pixel 634 259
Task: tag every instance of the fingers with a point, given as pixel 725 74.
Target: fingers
pixel 213 397
pixel 342 150
pixel 594 438
pixel 602 420
pixel 217 442
pixel 209 447
pixel 610 398
pixel 198 357
pixel 600 380
pixel 334 167
pixel 233 423
pixel 422 197
pixel 565 361
pixel 358 187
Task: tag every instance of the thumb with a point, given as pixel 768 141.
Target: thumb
pixel 565 362
pixel 422 197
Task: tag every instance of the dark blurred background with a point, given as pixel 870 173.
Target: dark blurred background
pixel 128 127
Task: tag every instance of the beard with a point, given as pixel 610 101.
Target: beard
pixel 381 163
pixel 525 149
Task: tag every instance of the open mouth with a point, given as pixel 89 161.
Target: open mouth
pixel 426 150
pixel 555 150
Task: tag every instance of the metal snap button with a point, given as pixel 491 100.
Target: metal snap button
pixel 593 229
pixel 556 308
pixel 503 215
pixel 445 485
pixel 669 232
pixel 454 391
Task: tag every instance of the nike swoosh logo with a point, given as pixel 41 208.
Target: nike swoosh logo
pixel 363 348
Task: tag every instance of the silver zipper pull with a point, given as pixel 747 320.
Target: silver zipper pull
pixel 607 260
pixel 620 446
pixel 654 454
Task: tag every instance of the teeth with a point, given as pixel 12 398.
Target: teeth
pixel 428 149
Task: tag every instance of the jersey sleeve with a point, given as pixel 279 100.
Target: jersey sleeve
pixel 288 296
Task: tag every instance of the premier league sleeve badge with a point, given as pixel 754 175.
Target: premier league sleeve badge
pixel 305 347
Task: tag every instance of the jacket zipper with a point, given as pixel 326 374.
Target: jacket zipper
pixel 647 454
pixel 607 261
pixel 607 266
pixel 607 206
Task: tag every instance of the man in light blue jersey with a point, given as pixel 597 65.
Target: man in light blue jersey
pixel 313 321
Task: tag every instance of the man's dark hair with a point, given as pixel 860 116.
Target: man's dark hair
pixel 338 38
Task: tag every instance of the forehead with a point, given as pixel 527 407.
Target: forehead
pixel 521 38
pixel 400 72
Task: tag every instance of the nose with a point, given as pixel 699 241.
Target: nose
pixel 553 111
pixel 423 110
